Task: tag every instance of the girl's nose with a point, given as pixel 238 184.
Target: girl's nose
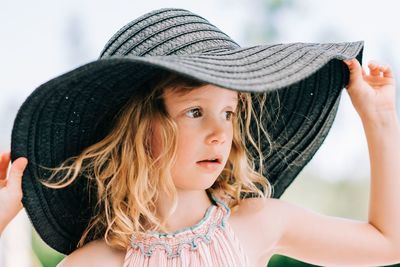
pixel 217 132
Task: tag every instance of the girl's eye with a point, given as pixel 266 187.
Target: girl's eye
pixel 190 111
pixel 231 113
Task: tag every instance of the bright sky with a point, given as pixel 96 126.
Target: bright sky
pixel 34 49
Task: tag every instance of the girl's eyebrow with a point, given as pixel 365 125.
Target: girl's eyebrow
pixel 199 98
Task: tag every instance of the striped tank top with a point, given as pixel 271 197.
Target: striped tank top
pixel 210 242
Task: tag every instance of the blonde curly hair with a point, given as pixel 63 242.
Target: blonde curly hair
pixel 127 190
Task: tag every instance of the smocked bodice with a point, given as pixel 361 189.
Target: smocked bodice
pixel 210 242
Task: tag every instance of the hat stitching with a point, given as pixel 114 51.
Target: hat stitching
pixel 140 35
pixel 169 42
pixel 295 75
pixel 38 188
pixel 138 21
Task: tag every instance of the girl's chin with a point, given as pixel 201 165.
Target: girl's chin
pixel 196 185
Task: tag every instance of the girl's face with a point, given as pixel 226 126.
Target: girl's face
pixel 205 129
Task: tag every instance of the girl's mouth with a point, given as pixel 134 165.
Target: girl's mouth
pixel 209 164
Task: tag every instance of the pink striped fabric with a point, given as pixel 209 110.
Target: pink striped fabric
pixel 210 242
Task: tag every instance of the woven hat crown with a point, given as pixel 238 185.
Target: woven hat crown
pixel 167 31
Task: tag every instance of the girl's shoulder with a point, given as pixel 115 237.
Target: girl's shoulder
pixel 95 253
pixel 258 224
pixel 267 211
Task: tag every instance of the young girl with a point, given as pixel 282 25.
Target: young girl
pixel 173 175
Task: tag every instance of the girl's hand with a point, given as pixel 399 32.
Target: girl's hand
pixel 372 94
pixel 10 188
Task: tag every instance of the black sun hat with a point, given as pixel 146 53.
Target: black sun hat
pixel 67 114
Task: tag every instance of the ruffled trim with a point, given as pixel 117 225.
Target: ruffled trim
pixel 173 243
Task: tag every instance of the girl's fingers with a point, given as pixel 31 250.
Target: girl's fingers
pixel 16 172
pixel 363 72
pixel 356 70
pixel 4 161
pixel 374 68
pixel 387 72
pixel 13 181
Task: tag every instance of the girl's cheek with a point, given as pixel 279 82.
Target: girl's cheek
pixel 189 122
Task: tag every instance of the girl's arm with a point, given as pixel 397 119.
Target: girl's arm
pixel 333 241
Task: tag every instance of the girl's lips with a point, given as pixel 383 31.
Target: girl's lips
pixel 208 165
pixel 217 157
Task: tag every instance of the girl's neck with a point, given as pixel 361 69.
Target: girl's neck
pixel 191 208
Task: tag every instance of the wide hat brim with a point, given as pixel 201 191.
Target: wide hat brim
pixel 65 115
